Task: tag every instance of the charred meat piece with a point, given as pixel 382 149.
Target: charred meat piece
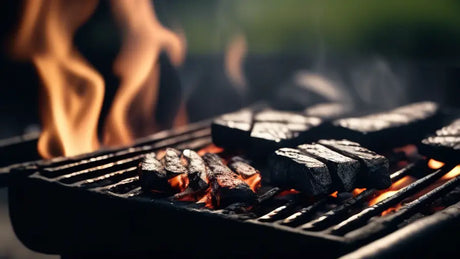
pixel 374 167
pixel 294 169
pixel 226 186
pixel 232 130
pixel 343 170
pixel 397 127
pixel 173 163
pixel 445 145
pixel 152 174
pixel 196 170
pixel 242 167
pixel 275 129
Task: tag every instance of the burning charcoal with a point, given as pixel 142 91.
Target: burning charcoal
pixel 173 163
pixel 226 186
pixel 444 145
pixel 343 170
pixel 242 167
pixel 275 129
pixel 444 148
pixel 152 174
pixel 393 128
pixel 232 130
pixel 328 111
pixel 196 170
pixel 294 169
pixel 374 167
pixel 452 129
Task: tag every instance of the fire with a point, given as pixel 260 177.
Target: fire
pixel 287 192
pixel 254 182
pixel 138 69
pixel 179 183
pixel 211 148
pixel 334 194
pixel 452 173
pixel 357 191
pixel 407 180
pixel 73 91
pixel 401 183
pixel 434 164
pixel 234 58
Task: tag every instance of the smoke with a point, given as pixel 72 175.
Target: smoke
pixel 378 84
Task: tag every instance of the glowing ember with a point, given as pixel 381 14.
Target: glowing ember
pixel 334 194
pixel 179 183
pixel 254 181
pixel 357 191
pixel 210 149
pixel 392 209
pixel 287 192
pixel 206 199
pixel 452 173
pixel 434 164
pixel 401 183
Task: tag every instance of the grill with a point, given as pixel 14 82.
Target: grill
pixel 93 204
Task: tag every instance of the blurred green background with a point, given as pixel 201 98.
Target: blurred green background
pixel 414 29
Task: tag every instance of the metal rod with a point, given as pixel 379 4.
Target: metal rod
pixel 340 212
pixel 363 216
pixel 384 225
pixel 412 239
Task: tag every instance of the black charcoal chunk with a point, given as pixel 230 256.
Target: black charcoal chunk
pixel 292 168
pixel 453 129
pixel 444 145
pixel 152 174
pixel 232 130
pixel 442 148
pixel 226 186
pixel 275 129
pixel 242 167
pixel 173 163
pixel 328 111
pixel 344 170
pixel 397 127
pixel 374 167
pixel 196 170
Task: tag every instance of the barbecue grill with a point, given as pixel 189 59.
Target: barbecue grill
pixel 93 204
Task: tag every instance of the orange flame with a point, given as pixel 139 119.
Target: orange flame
pixel 211 148
pixel 287 192
pixel 254 181
pixel 434 164
pixel 138 69
pixel 401 183
pixel 234 58
pixel 73 91
pixel 334 194
pixel 357 191
pixel 179 183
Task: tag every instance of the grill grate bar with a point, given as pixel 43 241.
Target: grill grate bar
pixel 384 225
pixel 107 178
pixel 99 170
pixel 72 166
pixel 375 210
pixel 341 212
